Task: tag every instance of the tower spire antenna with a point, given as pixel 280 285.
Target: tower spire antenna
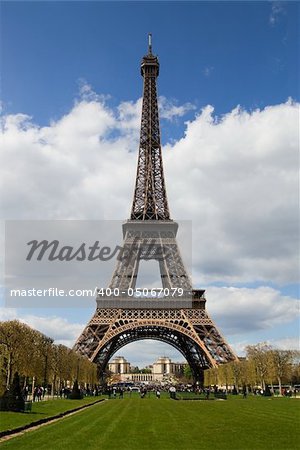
pixel 150 43
pixel 150 197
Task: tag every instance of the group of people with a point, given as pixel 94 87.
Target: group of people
pixel 39 392
pixel 64 392
pixel 172 392
pixel 144 391
pixel 118 392
pixel 112 391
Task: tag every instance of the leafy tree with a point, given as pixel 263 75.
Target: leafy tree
pixel 261 357
pixel 295 375
pixel 12 339
pixel 187 372
pixel 36 357
pixel 225 375
pixel 146 370
pixel 114 378
pixel 208 377
pixel 262 365
pixel 282 362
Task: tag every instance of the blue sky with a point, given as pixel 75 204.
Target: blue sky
pixel 222 53
pixel 65 63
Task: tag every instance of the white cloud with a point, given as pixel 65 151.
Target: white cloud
pixel 146 352
pixel 130 116
pixel 242 310
pixel 288 343
pixel 8 314
pixel 58 328
pixel 72 168
pixel 62 331
pixel 277 10
pixel 87 93
pixel 236 177
pixel 170 110
pixel 207 71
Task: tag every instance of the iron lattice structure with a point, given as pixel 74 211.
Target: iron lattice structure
pixel 150 198
pixel 150 234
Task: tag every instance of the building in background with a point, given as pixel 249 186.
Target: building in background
pixel 119 366
pixel 162 369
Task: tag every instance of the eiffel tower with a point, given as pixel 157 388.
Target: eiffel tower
pixel 178 317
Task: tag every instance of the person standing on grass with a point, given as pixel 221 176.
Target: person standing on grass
pixel 158 393
pixel 207 392
pixel 172 391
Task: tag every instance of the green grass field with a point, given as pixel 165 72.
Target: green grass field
pixel 134 423
pixel 40 410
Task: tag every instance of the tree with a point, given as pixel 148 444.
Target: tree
pixel 282 362
pixel 208 377
pixel 34 355
pixel 45 348
pixel 187 372
pixel 211 376
pixel 295 375
pixel 13 338
pixel 114 378
pixel 225 375
pixel 146 370
pixel 261 357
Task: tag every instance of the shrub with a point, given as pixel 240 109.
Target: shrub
pixel 13 399
pixel 76 394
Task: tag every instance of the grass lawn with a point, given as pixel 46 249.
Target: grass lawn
pixel 40 410
pixel 134 423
